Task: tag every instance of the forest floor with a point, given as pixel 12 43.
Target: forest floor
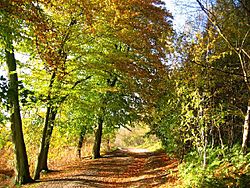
pixel 121 168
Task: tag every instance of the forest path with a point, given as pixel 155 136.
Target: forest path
pixel 121 168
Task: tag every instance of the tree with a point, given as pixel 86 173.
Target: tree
pixel 22 167
pixel 56 58
pixel 10 34
pixel 87 38
pixel 227 31
pixel 101 118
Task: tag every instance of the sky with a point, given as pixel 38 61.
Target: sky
pixel 179 19
pixel 181 10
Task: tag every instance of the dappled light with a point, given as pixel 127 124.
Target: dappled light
pixel 120 168
pixel 125 93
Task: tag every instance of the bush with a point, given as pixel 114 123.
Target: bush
pixel 225 168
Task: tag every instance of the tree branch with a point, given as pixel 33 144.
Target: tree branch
pixel 75 84
pixel 235 49
pixel 219 70
pixel 79 81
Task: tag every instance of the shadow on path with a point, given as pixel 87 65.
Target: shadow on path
pixel 121 168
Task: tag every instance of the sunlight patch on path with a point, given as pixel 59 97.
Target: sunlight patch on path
pixel 125 167
pixel 135 150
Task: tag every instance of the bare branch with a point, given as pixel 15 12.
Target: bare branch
pixel 219 70
pixel 236 50
pixel 244 39
pixel 209 13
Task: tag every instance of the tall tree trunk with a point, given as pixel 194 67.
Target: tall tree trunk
pixel 44 147
pixel 98 133
pixel 51 124
pixel 21 159
pixel 246 129
pixel 80 142
pixel 98 139
pixel 42 161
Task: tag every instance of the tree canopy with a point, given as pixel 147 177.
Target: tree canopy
pixel 93 68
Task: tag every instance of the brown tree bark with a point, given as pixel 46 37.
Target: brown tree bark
pixel 80 142
pixel 50 127
pixel 98 139
pixel 47 131
pixel 21 159
pixel 98 133
pixel 42 161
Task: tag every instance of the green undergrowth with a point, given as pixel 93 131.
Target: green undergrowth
pixel 225 168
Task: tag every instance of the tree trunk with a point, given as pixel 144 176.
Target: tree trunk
pixel 42 161
pixel 98 139
pixel 51 124
pixel 79 146
pixel 21 159
pixel 231 134
pixel 42 156
pixel 108 144
pixel 246 130
pixel 220 138
pixel 80 141
pixel 204 143
pixel 98 133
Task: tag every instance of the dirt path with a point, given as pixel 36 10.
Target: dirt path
pixel 122 168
